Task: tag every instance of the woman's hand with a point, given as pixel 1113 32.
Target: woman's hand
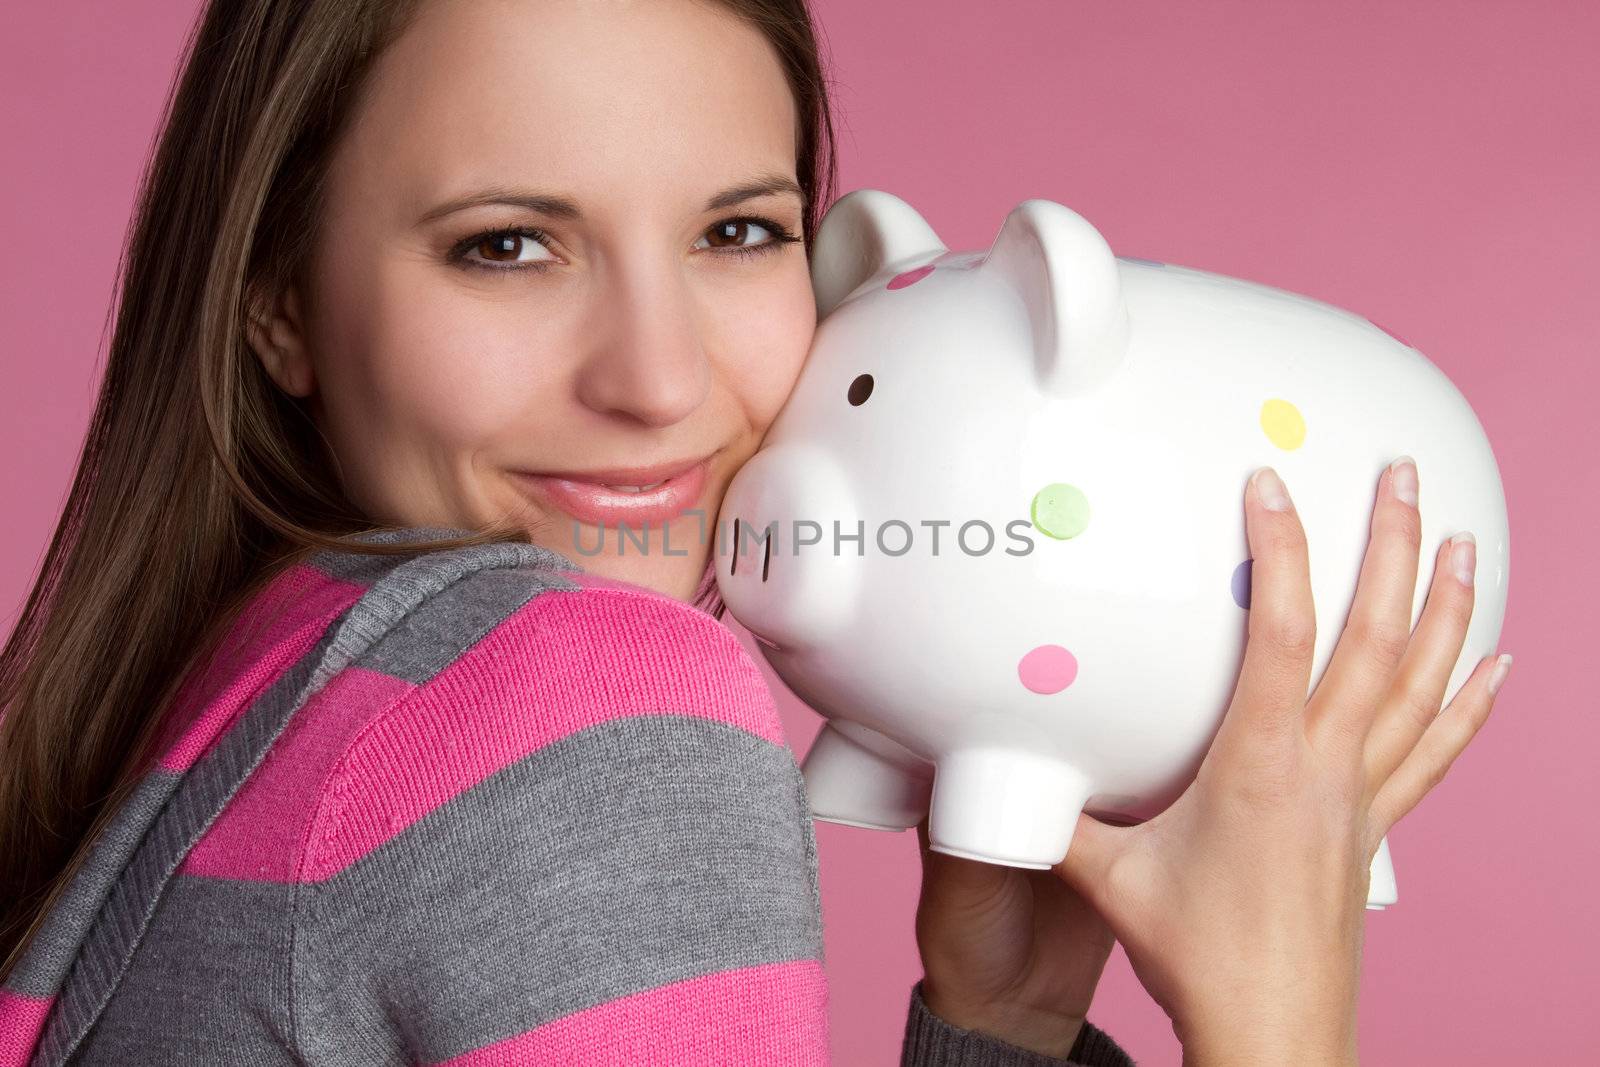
pixel 1241 907
pixel 1010 952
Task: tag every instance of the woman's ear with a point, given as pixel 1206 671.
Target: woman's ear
pixel 276 332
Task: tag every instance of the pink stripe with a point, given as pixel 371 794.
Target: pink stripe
pixel 259 834
pixel 567 660
pixel 21 1021
pixel 280 626
pixel 775 1013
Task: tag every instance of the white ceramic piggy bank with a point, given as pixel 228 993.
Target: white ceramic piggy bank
pixel 996 536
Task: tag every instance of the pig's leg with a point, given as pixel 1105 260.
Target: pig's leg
pixel 859 777
pixel 1015 808
pixel 1381 891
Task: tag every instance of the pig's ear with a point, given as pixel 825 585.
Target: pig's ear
pixel 1068 279
pixel 866 231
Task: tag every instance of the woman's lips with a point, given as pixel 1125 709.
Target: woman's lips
pixel 593 502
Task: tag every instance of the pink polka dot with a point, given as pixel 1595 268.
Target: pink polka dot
pixel 910 277
pixel 1047 669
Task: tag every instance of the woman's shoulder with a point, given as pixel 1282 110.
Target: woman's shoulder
pixel 574 799
pixel 509 664
pixel 425 675
pixel 496 798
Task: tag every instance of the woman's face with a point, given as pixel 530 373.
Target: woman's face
pixel 540 256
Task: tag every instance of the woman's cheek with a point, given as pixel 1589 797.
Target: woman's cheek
pixel 463 374
pixel 771 343
pixel 792 349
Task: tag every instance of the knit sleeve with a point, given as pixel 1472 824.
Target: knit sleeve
pixel 932 1042
pixel 584 841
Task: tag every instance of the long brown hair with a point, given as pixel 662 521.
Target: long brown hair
pixel 198 479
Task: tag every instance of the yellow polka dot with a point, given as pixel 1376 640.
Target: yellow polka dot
pixel 1283 423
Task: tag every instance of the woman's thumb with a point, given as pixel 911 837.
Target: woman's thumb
pixel 1088 860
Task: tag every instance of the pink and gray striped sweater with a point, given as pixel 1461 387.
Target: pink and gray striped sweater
pixel 467 807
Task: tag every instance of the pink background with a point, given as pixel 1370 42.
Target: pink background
pixel 1432 165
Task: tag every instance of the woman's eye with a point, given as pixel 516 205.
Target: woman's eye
pixel 518 248
pixel 733 231
pixel 731 236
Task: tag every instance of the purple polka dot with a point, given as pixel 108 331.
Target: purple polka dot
pixel 910 277
pixel 1047 669
pixel 1241 585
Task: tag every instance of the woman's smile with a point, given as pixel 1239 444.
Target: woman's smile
pixel 632 495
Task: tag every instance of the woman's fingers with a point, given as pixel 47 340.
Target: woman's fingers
pixel 1424 673
pixel 1426 764
pixel 1353 688
pixel 1257 742
pixel 1266 705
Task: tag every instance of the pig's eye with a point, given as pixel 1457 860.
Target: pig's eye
pixel 860 389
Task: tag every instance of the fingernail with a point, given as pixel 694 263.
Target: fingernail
pixel 1403 479
pixel 1270 488
pixel 1497 677
pixel 1464 556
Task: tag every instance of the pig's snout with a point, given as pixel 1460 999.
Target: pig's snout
pixel 780 568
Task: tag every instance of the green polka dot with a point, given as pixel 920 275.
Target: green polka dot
pixel 1060 511
pixel 1283 423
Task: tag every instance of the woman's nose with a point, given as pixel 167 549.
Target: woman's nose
pixel 651 364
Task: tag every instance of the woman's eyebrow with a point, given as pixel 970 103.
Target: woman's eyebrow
pixel 765 185
pixel 562 207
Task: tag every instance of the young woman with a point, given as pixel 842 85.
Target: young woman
pixel 319 745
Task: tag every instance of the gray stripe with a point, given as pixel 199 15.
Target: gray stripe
pixel 353 566
pixel 431 638
pixel 207 986
pixel 633 853
pixel 210 783
pixel 43 967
